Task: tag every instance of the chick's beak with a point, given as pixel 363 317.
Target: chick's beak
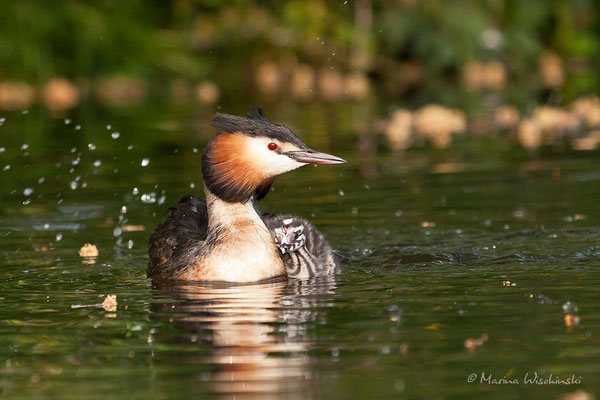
pixel 313 157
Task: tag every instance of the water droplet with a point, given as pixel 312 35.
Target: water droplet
pixel 59 237
pixel 148 198
pixel 67 121
pixel 135 191
pixel 145 162
pixel 97 163
pixel 115 135
pixel 569 307
pixel 91 146
pixel 73 185
pixel 28 191
pixel 24 146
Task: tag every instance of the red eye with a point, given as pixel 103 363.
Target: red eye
pixel 272 146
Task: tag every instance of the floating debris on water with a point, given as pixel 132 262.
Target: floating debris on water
pixel 67 121
pixel 73 185
pixel 2 150
pixel 571 320
pixel 577 395
pixel 130 244
pixel 473 343
pixel 428 224
pixel 145 162
pixel 115 135
pixel 59 237
pixel 88 250
pixel 28 191
pixel 108 127
pixel 133 228
pixel 135 191
pixel 97 163
pixel 24 146
pixel 110 303
pixel 91 146
pixel 77 127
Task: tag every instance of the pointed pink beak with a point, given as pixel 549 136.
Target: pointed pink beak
pixel 314 157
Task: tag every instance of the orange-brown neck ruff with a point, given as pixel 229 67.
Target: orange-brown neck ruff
pixel 229 171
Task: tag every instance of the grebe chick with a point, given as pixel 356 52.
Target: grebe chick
pixel 224 238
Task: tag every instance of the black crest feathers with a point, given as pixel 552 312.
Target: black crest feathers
pixel 255 124
pixel 256 113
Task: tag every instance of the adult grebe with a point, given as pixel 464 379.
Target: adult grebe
pixel 224 238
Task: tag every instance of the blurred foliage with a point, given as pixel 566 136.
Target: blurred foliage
pixel 413 51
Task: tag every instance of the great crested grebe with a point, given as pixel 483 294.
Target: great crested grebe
pixel 224 238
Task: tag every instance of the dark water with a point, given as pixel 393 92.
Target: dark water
pixel 426 240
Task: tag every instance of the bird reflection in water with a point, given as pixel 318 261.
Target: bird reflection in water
pixel 258 333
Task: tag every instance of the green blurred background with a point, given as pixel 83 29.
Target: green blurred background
pixel 525 67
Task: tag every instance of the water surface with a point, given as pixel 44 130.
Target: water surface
pixel 437 247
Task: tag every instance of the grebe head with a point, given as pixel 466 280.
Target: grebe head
pixel 248 153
